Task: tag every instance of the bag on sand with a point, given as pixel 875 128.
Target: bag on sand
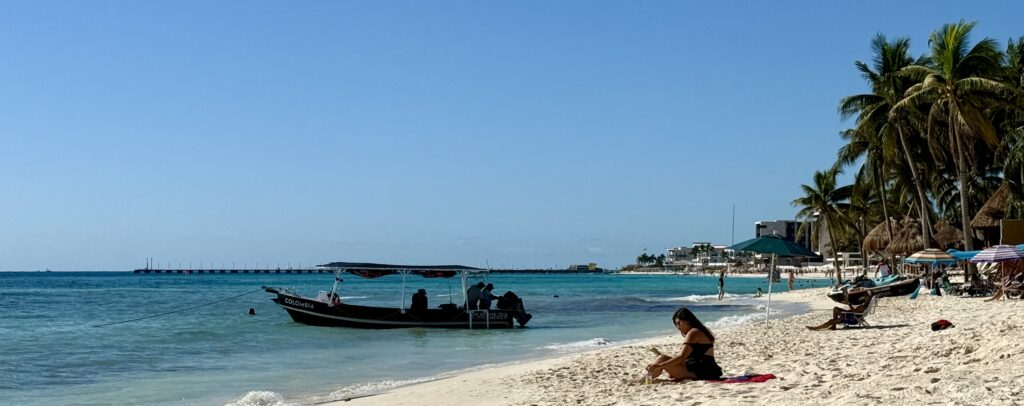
pixel 941 325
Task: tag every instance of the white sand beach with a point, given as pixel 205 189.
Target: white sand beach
pixel 896 360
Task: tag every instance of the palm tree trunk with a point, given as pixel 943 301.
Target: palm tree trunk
pixel 885 211
pixel 832 247
pixel 922 200
pixel 962 174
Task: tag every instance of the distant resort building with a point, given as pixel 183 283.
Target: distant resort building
pixel 697 254
pixel 787 229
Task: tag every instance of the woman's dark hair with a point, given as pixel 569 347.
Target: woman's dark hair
pixel 686 315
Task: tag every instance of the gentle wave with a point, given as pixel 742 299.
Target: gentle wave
pixel 259 398
pixel 735 320
pixel 699 298
pixel 577 345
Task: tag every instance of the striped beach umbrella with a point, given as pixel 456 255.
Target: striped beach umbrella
pixel 931 256
pixel 999 253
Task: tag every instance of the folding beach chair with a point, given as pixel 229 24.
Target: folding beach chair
pixel 851 319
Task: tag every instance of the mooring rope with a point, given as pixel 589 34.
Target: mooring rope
pixel 179 310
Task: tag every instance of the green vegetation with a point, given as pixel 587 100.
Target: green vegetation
pixel 934 137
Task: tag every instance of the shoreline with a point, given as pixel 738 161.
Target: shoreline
pixel 763 275
pixel 897 359
pixel 447 383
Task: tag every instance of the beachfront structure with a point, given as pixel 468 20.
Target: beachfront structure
pixel 697 254
pixel 678 256
pixel 787 229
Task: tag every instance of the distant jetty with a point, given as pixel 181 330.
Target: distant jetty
pixel 292 271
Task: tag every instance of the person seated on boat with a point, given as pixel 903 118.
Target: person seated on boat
pixel 486 297
pixel 473 296
pixel 335 300
pixel 697 359
pixel 837 314
pixel 419 300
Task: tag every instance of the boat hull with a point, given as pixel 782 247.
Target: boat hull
pixel 312 312
pixel 860 295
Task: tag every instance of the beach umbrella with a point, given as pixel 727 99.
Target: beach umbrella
pixel 931 256
pixel 998 253
pixel 962 255
pixel 776 247
pixel 773 244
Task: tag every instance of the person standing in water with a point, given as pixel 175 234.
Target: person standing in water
pixel 721 285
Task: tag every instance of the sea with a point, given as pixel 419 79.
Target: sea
pixel 53 353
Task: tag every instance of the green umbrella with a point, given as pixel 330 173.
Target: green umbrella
pixel 773 244
pixel 777 247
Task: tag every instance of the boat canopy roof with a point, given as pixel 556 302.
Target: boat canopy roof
pixel 372 270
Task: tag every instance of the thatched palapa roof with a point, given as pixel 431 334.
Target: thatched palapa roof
pixel 878 238
pixel 946 234
pixel 908 239
pixel 994 209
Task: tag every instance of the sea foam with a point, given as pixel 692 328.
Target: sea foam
pixel 577 345
pixel 259 398
pixel 735 320
pixel 699 298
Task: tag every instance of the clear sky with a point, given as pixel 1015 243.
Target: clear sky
pixel 502 133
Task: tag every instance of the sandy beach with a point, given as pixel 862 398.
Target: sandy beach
pixel 897 359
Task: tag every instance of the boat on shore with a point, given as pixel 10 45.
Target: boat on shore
pixel 857 292
pixel 327 310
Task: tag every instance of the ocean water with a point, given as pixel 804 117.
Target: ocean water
pixel 51 353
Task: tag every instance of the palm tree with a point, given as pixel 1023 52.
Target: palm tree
pixel 957 90
pixel 828 202
pixel 860 211
pixel 878 125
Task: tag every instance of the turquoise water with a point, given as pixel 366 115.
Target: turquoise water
pixel 50 353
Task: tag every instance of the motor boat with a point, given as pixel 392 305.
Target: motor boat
pixel 326 309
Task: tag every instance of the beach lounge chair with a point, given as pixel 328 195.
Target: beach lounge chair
pixel 854 319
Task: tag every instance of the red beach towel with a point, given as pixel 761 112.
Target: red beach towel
pixel 751 378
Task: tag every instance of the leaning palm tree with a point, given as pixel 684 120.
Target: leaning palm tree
pixel 879 129
pixel 828 202
pixel 957 90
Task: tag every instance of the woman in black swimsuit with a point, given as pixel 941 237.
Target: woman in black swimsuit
pixel 697 360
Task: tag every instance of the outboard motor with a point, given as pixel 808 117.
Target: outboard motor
pixel 511 301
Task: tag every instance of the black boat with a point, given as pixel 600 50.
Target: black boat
pixel 327 310
pixel 859 295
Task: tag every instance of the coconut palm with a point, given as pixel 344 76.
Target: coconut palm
pixel 828 202
pixel 957 90
pixel 880 135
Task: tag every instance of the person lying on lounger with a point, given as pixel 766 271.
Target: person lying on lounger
pixel 837 314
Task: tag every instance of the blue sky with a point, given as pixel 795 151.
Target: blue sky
pixel 502 133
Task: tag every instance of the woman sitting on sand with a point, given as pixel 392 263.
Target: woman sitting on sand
pixel 697 360
pixel 837 313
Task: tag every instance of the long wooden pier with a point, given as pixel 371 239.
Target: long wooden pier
pixel 292 271
pixel 151 271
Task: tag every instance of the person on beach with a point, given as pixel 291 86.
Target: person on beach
pixel 759 292
pixel 837 314
pixel 883 269
pixel 697 360
pixel 792 279
pixel 721 285
pixel 473 296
